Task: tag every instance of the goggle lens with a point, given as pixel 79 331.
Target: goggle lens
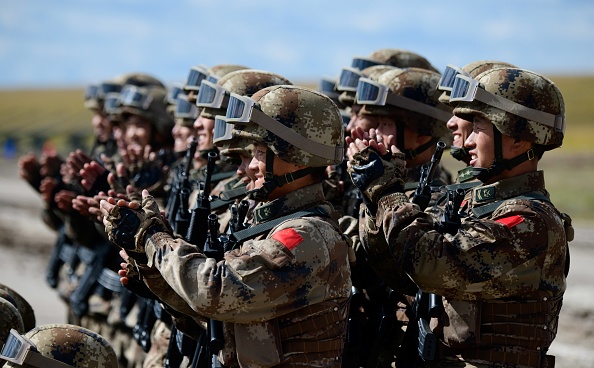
pixel 360 63
pixel 235 109
pixel 222 129
pixel 348 80
pixel 367 92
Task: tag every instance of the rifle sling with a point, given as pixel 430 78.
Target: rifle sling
pixel 489 208
pixel 252 232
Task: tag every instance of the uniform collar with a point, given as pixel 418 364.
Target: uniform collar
pixel 301 198
pixel 508 188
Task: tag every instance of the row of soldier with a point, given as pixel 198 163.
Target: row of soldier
pixel 242 220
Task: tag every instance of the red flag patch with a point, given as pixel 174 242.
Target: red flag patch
pixel 288 237
pixel 511 221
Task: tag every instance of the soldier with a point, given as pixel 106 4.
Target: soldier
pixel 284 289
pixel 501 267
pixel 59 346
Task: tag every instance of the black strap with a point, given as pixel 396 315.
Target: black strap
pixel 221 176
pixel 251 232
pixel 489 208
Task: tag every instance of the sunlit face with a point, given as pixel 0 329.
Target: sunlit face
pixel 182 135
pixel 257 166
pixel 248 177
pixel 204 132
pixel 101 126
pixel 353 123
pixel 138 133
pixel 460 128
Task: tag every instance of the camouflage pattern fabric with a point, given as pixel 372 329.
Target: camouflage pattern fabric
pixel 511 260
pixel 9 318
pixel 22 305
pixel 284 297
pixel 527 89
pixel 309 113
pixel 73 345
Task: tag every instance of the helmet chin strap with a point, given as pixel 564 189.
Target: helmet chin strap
pixel 411 153
pixel 500 164
pixel 272 182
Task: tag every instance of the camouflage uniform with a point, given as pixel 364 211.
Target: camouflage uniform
pixel 283 296
pixel 502 273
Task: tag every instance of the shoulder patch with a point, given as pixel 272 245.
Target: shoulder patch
pixel 288 237
pixel 511 221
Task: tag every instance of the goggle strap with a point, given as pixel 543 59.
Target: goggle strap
pixel 35 359
pixel 418 107
pixel 541 117
pixel 335 153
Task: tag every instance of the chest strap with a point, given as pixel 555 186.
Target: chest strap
pixel 489 208
pixel 254 231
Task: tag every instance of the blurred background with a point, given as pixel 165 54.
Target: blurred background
pixel 50 50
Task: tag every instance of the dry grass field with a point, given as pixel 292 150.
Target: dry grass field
pixel 33 117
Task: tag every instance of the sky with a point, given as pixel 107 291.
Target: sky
pixel 72 43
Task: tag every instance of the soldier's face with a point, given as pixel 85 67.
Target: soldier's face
pixel 183 136
pixel 460 128
pixel 247 176
pixel 101 126
pixel 204 132
pixel 138 133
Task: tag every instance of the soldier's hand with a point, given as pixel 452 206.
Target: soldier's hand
pixel 50 163
pixel 64 199
pixel 29 170
pixel 46 188
pixel 90 173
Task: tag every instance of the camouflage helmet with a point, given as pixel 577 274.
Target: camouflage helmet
pixel 72 345
pixel 310 130
pixel 244 82
pixel 471 69
pixel 148 102
pixel 10 318
pixel 520 103
pixel 218 71
pixel 347 98
pixel 416 85
pixel 96 94
pixel 21 305
pixel 401 58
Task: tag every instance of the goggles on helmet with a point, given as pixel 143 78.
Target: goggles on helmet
pixel 349 77
pixel 327 87
pixel 212 95
pixel 467 89
pixel 212 79
pixel 372 93
pixel 111 103
pixel 91 92
pixel 106 87
pixel 20 350
pixel 243 109
pixel 446 82
pixel 173 94
pixel 222 129
pixel 361 63
pixel 185 109
pixel 135 97
pixel 195 77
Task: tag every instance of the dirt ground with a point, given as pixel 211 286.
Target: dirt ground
pixel 25 244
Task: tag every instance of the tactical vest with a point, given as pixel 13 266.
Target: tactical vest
pixel 508 331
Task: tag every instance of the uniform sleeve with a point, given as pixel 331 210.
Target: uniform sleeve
pixel 520 249
pixel 298 264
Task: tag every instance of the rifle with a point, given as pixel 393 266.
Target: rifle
pixel 426 305
pixel 180 193
pixel 196 234
pixel 422 194
pixel 450 219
